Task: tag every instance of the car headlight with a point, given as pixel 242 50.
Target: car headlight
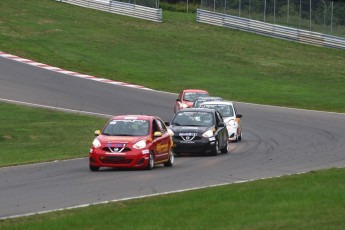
pixel 96 143
pixel 208 133
pixel 140 144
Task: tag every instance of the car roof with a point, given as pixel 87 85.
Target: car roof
pixel 208 97
pixel 197 110
pixel 133 117
pixel 194 91
pixel 217 103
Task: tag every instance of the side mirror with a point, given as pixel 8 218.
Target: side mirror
pixel 178 99
pixel 97 132
pixel 238 115
pixel 167 123
pixel 221 124
pixel 157 134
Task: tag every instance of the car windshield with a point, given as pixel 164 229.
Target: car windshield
pixel 192 96
pixel 224 110
pixel 195 118
pixel 127 128
pixel 200 100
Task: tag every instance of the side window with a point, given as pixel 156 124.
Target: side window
pixel 161 126
pixel 155 126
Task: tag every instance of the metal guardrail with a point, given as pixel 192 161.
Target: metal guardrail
pixel 123 8
pixel 272 30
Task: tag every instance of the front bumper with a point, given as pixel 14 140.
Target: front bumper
pixel 203 145
pixel 131 159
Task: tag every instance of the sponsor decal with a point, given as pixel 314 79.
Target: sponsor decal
pixel 188 136
pixel 161 148
pixel 115 147
pixel 145 151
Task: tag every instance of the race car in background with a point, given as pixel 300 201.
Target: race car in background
pixel 230 115
pixel 187 97
pixel 132 141
pixel 199 131
pixel 200 100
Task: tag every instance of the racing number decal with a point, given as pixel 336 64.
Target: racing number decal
pixel 162 147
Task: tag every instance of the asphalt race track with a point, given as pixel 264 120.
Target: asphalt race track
pixel 276 141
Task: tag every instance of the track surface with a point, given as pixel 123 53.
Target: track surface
pixel 276 141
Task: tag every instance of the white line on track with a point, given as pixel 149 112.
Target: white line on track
pixel 54 108
pixel 67 72
pixel 132 198
pixel 108 81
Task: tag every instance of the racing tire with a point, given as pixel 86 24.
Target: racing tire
pixel 225 149
pixel 170 162
pixel 239 138
pixel 93 168
pixel 215 150
pixel 151 162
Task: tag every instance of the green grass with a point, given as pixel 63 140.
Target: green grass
pixel 310 201
pixel 31 135
pixel 176 54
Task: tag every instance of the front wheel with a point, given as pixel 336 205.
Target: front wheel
pixel 170 162
pixel 239 138
pixel 93 168
pixel 225 149
pixel 151 162
pixel 215 150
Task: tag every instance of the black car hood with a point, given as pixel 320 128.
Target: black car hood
pixel 189 129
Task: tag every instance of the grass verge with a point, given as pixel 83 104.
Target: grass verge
pixel 309 201
pixel 31 135
pixel 176 54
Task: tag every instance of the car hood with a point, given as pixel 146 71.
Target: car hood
pixel 119 139
pixel 227 119
pixel 188 129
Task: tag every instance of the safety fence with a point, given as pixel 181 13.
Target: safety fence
pixel 321 16
pixel 122 8
pixel 273 30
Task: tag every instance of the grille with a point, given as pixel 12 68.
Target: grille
pixel 116 150
pixel 115 160
pixel 192 138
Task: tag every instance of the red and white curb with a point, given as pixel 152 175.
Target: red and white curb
pixel 67 72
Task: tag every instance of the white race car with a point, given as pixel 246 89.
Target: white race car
pixel 230 116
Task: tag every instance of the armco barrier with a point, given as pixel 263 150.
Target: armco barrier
pixel 268 29
pixel 123 8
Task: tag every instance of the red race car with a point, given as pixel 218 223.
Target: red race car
pixel 132 141
pixel 187 97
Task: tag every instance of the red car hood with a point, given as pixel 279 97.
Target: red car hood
pixel 119 139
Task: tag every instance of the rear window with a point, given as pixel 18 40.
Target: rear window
pixel 193 96
pixel 224 110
